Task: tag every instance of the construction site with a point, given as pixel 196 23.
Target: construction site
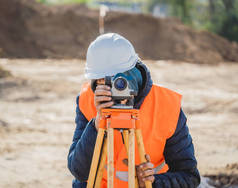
pixel 42 58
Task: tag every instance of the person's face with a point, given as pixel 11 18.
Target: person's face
pixel 100 81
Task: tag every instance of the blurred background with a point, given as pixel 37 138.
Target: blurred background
pixel 190 46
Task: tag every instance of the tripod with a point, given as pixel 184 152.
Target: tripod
pixel 126 120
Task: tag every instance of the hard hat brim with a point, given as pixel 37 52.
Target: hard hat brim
pixel 91 74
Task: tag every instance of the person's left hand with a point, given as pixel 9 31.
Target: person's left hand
pixel 145 172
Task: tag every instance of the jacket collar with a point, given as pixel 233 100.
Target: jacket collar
pixel 146 86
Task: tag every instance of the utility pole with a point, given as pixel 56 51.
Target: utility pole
pixel 102 13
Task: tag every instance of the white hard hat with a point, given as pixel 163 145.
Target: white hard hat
pixel 108 55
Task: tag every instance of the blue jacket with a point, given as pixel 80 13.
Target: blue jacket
pixel 178 152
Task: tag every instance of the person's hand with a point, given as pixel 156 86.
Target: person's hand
pixel 145 172
pixel 102 99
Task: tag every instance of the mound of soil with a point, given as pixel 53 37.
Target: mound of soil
pixel 32 30
pixel 226 177
pixel 29 29
pixel 4 73
pixel 224 180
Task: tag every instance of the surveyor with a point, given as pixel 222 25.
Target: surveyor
pixel 168 144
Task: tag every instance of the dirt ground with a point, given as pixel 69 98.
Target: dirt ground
pixel 37 109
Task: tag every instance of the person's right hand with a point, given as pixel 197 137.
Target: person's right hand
pixel 102 99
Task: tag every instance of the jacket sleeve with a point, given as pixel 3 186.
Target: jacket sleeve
pixel 81 150
pixel 179 155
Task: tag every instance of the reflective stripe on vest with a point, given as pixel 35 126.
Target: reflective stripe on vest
pixel 159 114
pixel 123 175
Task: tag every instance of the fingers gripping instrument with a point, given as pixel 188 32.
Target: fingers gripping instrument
pixel 128 121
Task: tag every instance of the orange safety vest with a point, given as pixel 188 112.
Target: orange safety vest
pixel 159 114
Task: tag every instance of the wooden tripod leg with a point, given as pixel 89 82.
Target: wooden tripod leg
pixel 96 155
pixel 110 159
pixel 125 138
pixel 131 159
pixel 126 141
pixel 141 149
pixel 102 164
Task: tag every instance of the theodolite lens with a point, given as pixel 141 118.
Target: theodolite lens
pixel 120 83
